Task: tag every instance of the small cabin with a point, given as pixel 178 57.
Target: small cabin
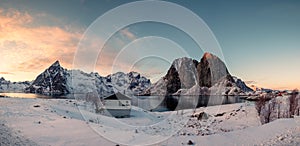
pixel 118 105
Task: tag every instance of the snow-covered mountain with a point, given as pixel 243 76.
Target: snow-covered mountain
pixel 56 80
pixel 130 83
pixel 190 77
pixel 53 81
pixel 186 76
pixel 8 86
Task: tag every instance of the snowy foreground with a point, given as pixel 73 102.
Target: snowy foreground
pixel 71 122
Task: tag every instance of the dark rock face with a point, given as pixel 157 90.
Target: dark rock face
pixel 53 81
pixel 173 81
pixel 204 73
pixel 210 70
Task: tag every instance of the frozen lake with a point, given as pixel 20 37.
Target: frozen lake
pixel 167 103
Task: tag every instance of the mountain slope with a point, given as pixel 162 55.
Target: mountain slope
pixel 242 85
pixel 187 71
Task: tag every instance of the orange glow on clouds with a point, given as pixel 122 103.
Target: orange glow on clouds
pixel 28 50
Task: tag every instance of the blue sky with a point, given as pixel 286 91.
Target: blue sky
pixel 260 40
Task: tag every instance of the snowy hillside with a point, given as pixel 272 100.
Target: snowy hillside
pixel 56 80
pixel 60 122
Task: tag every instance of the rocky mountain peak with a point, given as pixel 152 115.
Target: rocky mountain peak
pixel 210 70
pixel 56 63
pixel 208 55
pixel 2 79
pixel 134 74
pixel 54 68
pixel 190 77
pixel 51 82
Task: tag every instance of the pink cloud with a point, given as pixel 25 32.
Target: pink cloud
pixel 31 48
pixel 27 48
pixel 6 73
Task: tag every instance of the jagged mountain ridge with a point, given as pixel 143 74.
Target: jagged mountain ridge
pixel 187 76
pixel 56 80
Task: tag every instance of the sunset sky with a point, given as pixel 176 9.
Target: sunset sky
pixel 260 40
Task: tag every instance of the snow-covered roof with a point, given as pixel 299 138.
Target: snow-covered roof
pixel 117 96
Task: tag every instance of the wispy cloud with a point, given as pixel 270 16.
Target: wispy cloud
pixel 128 34
pixel 29 45
pixel 6 73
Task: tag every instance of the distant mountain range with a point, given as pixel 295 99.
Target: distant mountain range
pixel 186 76
pixel 8 86
pixel 59 81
